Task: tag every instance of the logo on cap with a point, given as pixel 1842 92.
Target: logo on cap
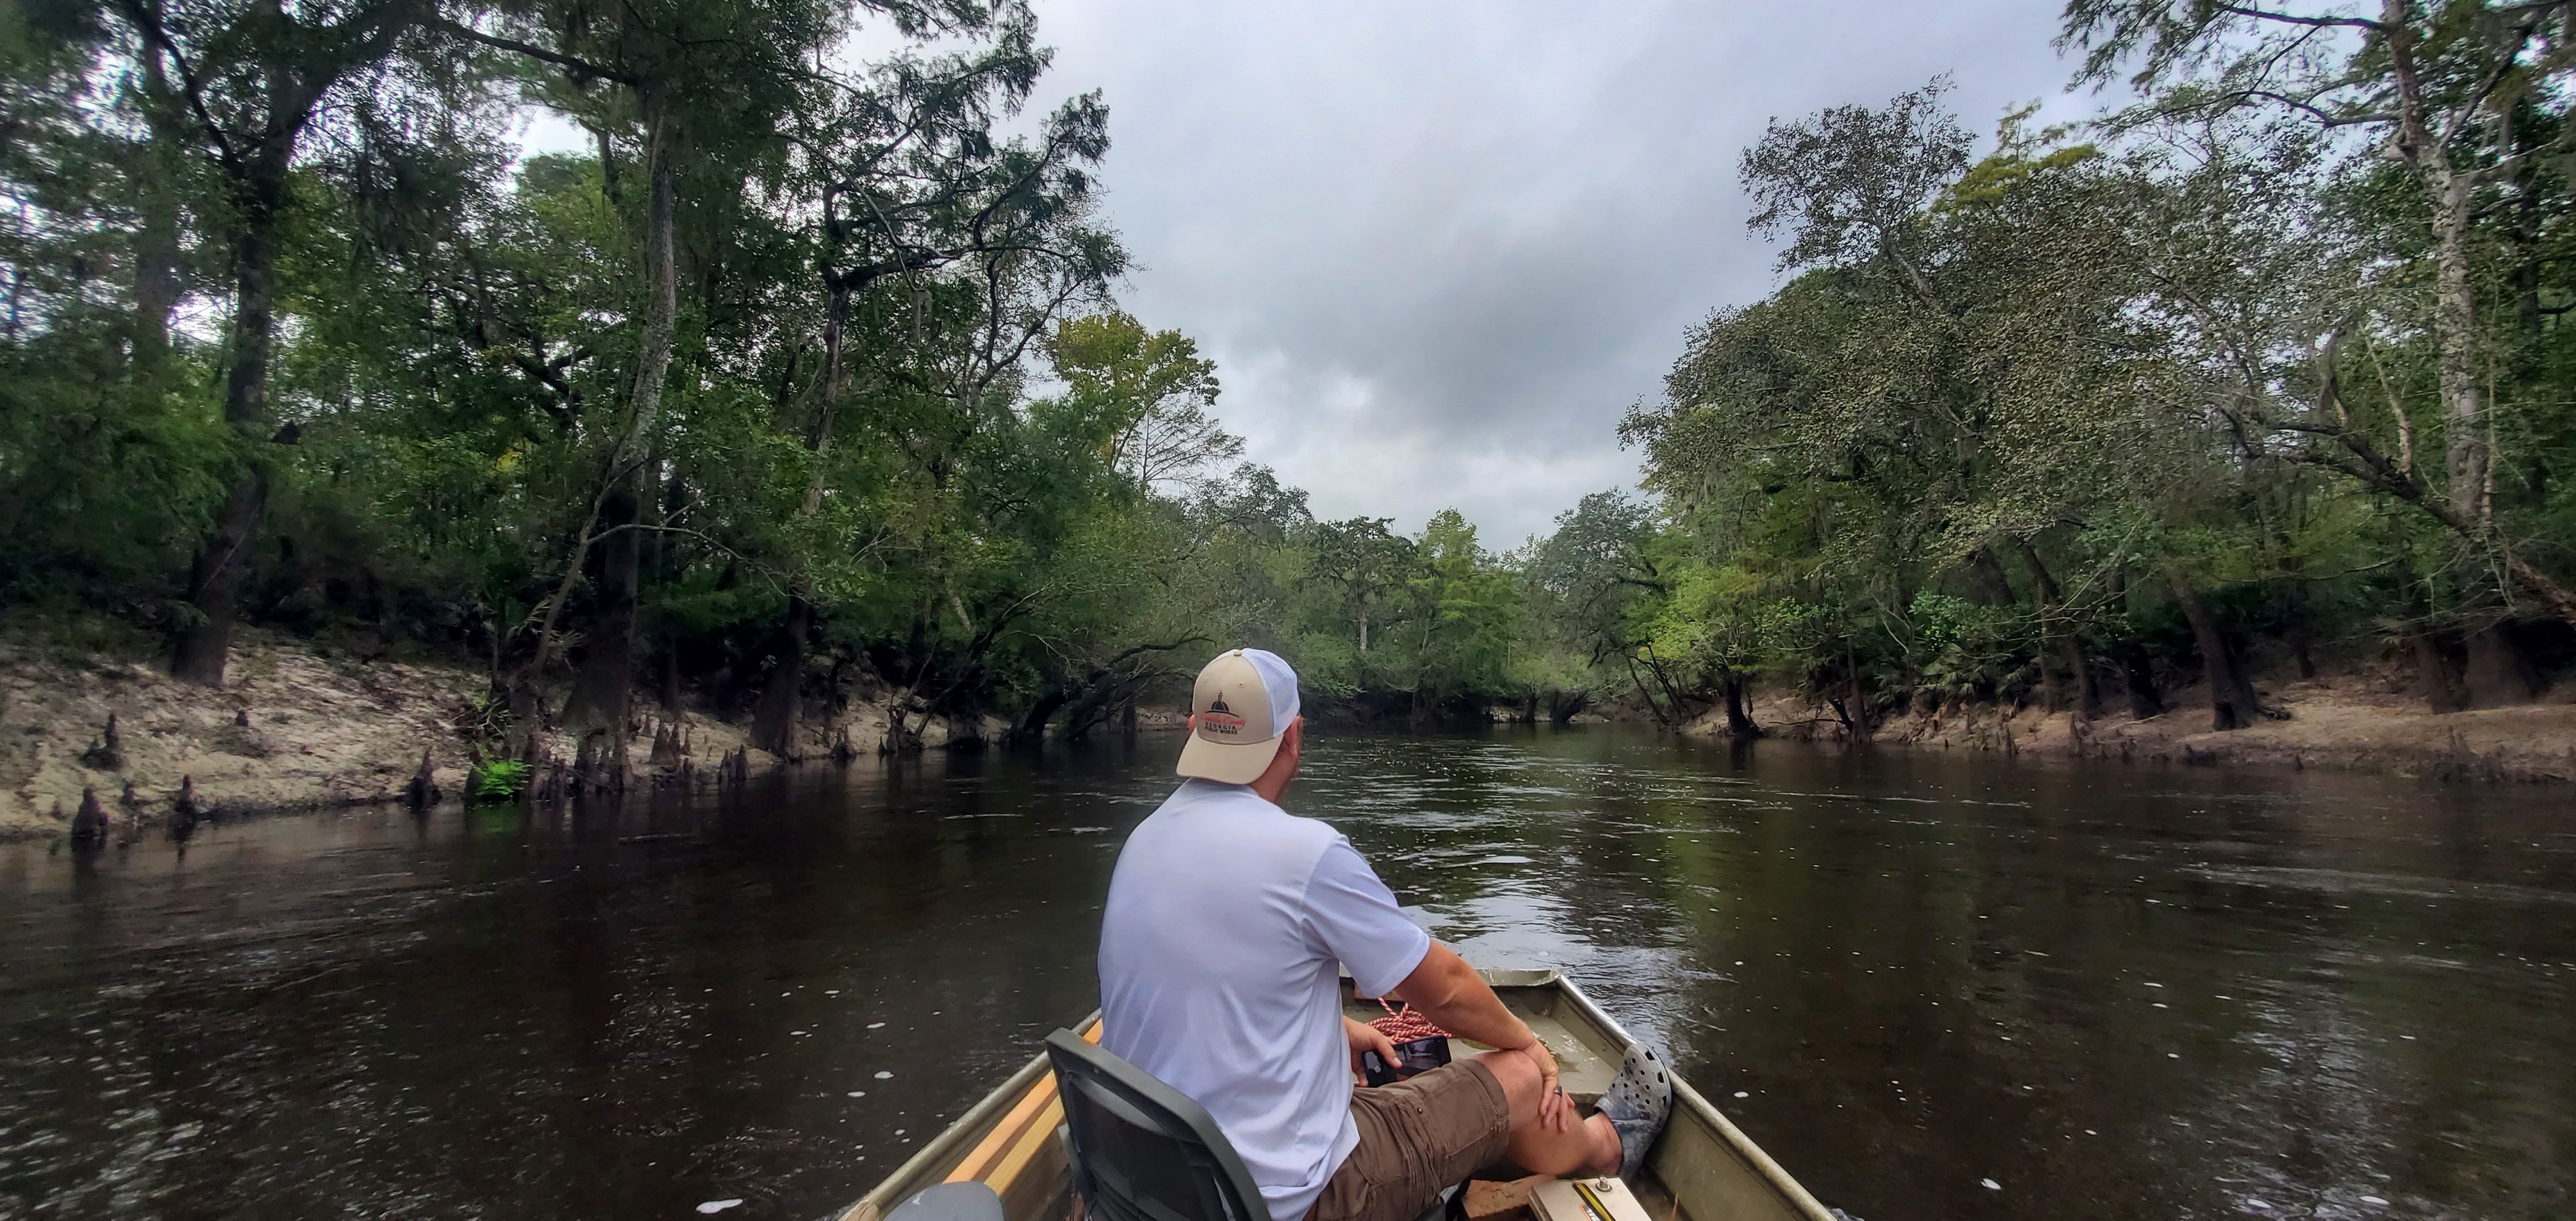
pixel 1219 719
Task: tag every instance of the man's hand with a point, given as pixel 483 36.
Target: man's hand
pixel 1555 1110
pixel 1364 1037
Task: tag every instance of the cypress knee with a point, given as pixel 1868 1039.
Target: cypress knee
pixel 90 825
pixel 106 753
pixel 422 792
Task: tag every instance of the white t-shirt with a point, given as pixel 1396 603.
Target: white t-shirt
pixel 1225 920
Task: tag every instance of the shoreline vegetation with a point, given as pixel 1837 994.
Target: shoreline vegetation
pixel 308 728
pixel 798 415
pixel 302 727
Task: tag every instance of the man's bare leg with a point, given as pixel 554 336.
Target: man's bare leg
pixel 1588 1146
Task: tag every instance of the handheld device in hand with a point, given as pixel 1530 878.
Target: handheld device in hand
pixel 1419 1046
pixel 1412 1058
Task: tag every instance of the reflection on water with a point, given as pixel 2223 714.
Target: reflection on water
pixel 2111 991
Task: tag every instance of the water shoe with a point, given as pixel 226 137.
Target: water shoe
pixel 1638 1102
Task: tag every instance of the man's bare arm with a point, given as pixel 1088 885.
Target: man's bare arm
pixel 1456 999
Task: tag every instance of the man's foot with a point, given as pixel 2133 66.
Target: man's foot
pixel 1637 1103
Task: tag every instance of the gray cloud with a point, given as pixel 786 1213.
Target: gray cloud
pixel 1438 249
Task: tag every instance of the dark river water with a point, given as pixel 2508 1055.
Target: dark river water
pixel 1931 986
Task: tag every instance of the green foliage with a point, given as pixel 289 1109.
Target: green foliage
pixel 1143 398
pixel 500 780
pixel 2006 406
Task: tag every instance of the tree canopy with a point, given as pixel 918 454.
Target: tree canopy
pixel 807 381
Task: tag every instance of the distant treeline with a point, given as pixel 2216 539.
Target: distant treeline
pixel 804 383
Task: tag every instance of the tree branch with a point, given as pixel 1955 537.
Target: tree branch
pixel 147 20
pixel 2355 23
pixel 2323 116
pixel 497 42
pixel 2372 469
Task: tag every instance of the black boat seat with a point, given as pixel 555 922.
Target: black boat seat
pixel 967 1201
pixel 1142 1151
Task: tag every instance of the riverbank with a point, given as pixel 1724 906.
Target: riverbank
pixel 302 725
pixel 2360 719
pixel 297 726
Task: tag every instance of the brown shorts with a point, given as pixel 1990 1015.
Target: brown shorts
pixel 1418 1138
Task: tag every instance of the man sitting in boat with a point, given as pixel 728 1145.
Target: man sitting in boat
pixel 1218 949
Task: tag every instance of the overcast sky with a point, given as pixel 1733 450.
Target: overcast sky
pixel 1437 249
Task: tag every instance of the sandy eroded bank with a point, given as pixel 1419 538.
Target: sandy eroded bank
pixel 2361 719
pixel 297 726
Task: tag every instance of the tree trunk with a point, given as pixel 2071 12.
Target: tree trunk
pixel 2232 704
pixel 2495 670
pixel 670 679
pixel 600 695
pixel 2496 674
pixel 1861 719
pixel 1563 705
pixel 2449 193
pixel 2499 673
pixel 202 645
pixel 2138 679
pixel 2435 673
pixel 601 691
pixel 836 315
pixel 2057 637
pixel 2137 670
pixel 2088 696
pixel 1739 723
pixel 1033 722
pixel 1644 694
pixel 2437 676
pixel 2043 588
pixel 2464 427
pixel 157 285
pixel 773 724
pixel 2294 628
pixel 1987 584
pixel 1087 711
pixel 1655 666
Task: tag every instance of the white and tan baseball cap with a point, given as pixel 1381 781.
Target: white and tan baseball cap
pixel 1244 702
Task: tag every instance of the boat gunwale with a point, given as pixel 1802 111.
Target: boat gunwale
pixel 945 1147
pixel 1706 1112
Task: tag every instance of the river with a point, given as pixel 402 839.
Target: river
pixel 1931 986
